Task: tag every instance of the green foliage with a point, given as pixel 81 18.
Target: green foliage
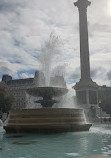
pixel 6 100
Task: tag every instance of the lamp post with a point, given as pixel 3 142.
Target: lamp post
pixel 100 110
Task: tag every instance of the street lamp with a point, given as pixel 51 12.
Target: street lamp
pixel 100 110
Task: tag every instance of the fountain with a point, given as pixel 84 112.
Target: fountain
pixel 47 119
pixel 47 93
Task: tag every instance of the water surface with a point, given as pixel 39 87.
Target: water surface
pixel 66 145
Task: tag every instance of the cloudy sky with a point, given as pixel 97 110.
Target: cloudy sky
pixel 25 27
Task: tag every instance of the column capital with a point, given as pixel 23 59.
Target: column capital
pixel 82 4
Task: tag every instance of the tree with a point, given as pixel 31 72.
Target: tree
pixel 6 100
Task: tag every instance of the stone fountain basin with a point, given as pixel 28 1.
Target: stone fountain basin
pixel 47 92
pixel 46 120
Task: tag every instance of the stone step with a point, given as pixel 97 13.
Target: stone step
pixel 62 119
pixel 43 124
pixel 23 115
pixel 47 111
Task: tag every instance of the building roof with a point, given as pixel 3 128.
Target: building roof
pixel 20 81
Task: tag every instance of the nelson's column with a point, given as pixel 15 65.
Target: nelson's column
pixel 86 89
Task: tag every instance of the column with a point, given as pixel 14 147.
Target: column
pixel 84 45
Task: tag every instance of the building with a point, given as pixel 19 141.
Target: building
pixel 105 89
pixel 104 99
pixel 18 87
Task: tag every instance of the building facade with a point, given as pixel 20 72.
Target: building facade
pixel 19 87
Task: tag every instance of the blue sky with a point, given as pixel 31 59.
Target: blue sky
pixel 25 26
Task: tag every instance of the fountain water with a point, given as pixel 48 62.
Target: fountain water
pixel 47 91
pixel 47 53
pixel 47 119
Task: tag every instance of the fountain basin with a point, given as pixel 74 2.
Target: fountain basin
pixel 47 93
pixel 46 120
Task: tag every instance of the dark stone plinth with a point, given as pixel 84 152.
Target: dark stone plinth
pixel 47 129
pixel 46 120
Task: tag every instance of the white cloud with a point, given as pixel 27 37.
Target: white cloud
pixel 26 75
pixel 26 25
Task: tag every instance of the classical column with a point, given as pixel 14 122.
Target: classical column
pixel 86 89
pixel 84 45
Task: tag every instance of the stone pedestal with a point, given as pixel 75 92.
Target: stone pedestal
pixel 86 92
pixel 87 97
pixel 46 120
